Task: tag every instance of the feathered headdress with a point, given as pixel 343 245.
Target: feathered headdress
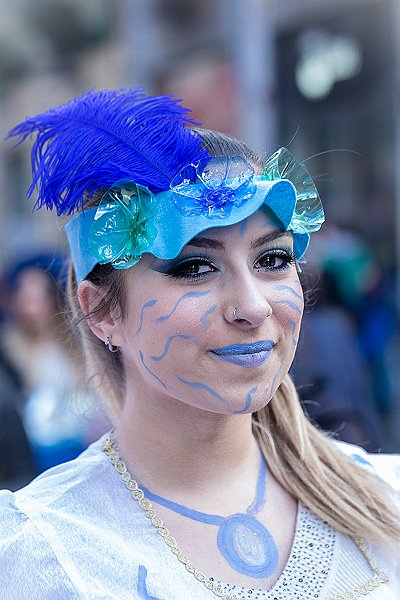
pixel 161 188
pixel 96 139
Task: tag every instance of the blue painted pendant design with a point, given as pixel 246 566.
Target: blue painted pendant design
pixel 248 546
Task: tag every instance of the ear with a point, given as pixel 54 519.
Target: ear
pixel 90 296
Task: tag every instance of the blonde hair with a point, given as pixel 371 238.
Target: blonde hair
pixel 311 467
pixel 303 459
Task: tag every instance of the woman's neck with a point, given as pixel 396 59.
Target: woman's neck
pixel 171 446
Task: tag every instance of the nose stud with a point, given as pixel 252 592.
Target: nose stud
pixel 236 318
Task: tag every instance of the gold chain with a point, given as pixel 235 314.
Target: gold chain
pixel 362 590
pixel 147 507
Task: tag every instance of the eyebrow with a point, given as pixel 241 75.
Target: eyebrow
pixel 202 242
pixel 269 237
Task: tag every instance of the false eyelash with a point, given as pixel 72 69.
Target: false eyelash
pixel 173 271
pixel 287 254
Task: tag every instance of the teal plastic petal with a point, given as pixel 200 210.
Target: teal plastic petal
pixel 121 229
pixel 309 214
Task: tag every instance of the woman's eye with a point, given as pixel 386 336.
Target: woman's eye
pixel 277 260
pixel 193 269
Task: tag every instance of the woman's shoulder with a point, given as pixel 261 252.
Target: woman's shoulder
pixel 54 495
pixel 386 466
pixel 73 531
pixel 64 481
pixel 63 488
pixel 55 527
pixel 28 566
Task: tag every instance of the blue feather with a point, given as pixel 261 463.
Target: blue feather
pixel 96 139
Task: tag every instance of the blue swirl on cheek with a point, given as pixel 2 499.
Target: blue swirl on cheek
pixel 184 297
pixel 167 345
pixel 204 320
pixel 142 586
pixel 248 401
pixel 292 305
pixel 294 325
pixel 287 288
pixel 275 379
pixel 145 305
pixel 198 385
pixel 151 372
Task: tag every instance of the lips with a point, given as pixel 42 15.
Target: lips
pixel 245 355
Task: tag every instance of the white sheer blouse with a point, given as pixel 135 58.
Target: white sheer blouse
pixel 74 532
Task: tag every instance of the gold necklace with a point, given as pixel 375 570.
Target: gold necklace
pixel 110 449
pixel 137 494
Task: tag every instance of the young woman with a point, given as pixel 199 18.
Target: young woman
pixel 184 283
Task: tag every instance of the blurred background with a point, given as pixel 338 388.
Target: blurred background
pixel 322 78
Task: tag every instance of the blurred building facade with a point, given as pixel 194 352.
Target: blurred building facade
pixel 319 77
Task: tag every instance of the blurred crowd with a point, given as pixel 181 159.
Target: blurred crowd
pixel 47 416
pixel 341 370
pixel 343 366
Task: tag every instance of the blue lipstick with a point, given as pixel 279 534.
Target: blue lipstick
pixel 245 355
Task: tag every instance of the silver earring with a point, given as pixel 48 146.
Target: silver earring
pixel 109 345
pixel 235 313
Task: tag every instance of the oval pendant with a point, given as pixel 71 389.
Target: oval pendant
pixel 248 546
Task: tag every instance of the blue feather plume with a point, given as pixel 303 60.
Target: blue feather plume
pixel 96 139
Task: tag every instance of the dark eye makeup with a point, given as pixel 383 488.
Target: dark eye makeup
pixel 194 268
pixel 275 260
pixel 188 266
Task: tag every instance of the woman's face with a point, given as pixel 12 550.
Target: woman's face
pixel 217 327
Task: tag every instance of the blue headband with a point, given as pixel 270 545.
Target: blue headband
pixel 163 186
pixel 130 220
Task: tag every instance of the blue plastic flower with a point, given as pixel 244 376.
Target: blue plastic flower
pixel 211 189
pixel 122 229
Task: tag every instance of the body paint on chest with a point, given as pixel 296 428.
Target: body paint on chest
pixel 142 585
pixel 243 541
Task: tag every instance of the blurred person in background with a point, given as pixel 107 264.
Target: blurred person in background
pixel 34 339
pixel 341 367
pixel 331 373
pixel 17 466
pixel 184 281
pixel 366 294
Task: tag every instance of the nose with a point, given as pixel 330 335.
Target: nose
pixel 247 303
